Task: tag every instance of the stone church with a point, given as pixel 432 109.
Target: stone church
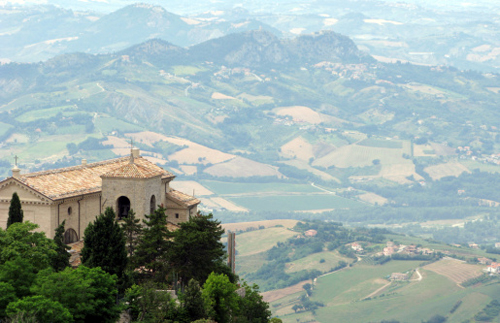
pixel 78 194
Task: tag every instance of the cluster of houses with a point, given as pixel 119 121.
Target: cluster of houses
pixel 392 248
pixel 466 152
pixel 492 159
pixel 348 71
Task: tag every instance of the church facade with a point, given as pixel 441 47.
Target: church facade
pixel 78 194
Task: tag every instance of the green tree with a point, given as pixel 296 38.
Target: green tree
pixel 20 274
pixel 15 211
pixel 197 250
pixel 19 241
pixel 252 307
pixel 61 259
pixel 104 244
pixel 154 244
pixel 220 298
pixel 88 293
pixel 45 310
pixel 132 230
pixel 7 295
pixel 192 301
pixel 308 288
pixel 151 302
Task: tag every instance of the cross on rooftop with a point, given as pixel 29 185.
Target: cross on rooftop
pixel 16 158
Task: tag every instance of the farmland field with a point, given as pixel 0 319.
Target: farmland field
pixel 331 259
pixel 238 188
pixel 186 70
pixel 249 263
pixel 254 242
pixel 287 223
pixel 455 270
pixel 295 203
pixel 346 281
pixel 471 165
pixel 256 99
pixel 370 142
pixel 47 113
pixel 423 296
pixel 301 164
pixel 239 167
pixel 108 124
pixel 298 148
pixel 372 198
pixel 359 156
pixel 302 114
pixel 449 169
pixel 191 187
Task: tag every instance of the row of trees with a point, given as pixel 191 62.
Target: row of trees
pixel 152 273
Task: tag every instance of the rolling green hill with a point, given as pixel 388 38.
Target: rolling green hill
pixel 336 117
pixel 440 286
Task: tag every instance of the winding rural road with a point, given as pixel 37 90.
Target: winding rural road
pixel 325 190
pixel 419 275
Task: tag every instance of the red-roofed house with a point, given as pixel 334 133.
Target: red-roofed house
pixel 493 268
pixel 484 261
pixel 310 233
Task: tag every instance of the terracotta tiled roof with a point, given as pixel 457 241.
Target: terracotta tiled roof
pixel 172 226
pixel 84 179
pixel 184 199
pixel 75 259
pixel 132 171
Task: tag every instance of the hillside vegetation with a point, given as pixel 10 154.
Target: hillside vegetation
pixel 323 278
pixel 350 131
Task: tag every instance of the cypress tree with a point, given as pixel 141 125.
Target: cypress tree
pixel 61 259
pixel 104 244
pixel 15 211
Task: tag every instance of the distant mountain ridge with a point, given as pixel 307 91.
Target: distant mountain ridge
pixel 42 32
pixel 255 49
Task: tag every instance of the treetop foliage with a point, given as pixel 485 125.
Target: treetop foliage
pixel 36 283
pixel 104 244
pixel 196 250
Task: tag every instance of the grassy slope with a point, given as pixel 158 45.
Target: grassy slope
pixel 254 242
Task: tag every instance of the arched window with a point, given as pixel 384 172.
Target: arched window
pixel 123 207
pixel 70 236
pixel 152 204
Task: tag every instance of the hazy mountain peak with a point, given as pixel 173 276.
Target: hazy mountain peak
pixel 329 46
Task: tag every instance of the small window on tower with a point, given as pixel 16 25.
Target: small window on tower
pixel 70 210
pixel 176 215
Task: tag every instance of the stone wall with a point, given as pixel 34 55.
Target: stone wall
pixel 36 208
pixel 84 210
pixel 138 191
